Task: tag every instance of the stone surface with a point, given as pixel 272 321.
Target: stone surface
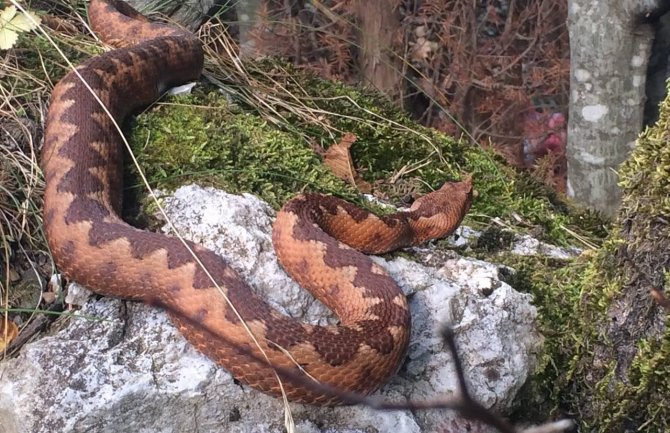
pixel 188 13
pixel 525 245
pixel 122 367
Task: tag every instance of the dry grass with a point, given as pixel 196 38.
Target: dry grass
pixel 21 184
pixel 28 73
pixel 273 99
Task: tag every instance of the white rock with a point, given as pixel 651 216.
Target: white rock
pixel 522 245
pixel 131 371
pixel 529 246
pixel 77 295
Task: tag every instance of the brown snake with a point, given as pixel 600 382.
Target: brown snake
pixel 82 162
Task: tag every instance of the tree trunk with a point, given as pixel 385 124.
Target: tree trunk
pixel 247 18
pixel 379 64
pixel 609 55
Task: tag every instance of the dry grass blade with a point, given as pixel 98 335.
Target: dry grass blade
pixel 26 81
pixel 21 184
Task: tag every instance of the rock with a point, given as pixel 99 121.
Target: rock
pixel 77 295
pixel 525 245
pixel 188 13
pixel 121 366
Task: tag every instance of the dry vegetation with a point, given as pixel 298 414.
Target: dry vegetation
pixel 494 71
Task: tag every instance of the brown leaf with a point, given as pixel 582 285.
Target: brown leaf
pixel 7 334
pixel 338 159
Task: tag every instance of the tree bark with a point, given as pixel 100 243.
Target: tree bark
pixel 379 64
pixel 246 20
pixel 609 54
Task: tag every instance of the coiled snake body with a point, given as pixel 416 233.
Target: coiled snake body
pixel 82 162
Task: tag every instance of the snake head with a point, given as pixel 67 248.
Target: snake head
pixel 438 214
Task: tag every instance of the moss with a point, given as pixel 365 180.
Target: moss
pixel 383 150
pixel 649 388
pixel 200 138
pixel 641 404
pixel 494 239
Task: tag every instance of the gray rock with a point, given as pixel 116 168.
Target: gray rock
pixel 188 13
pixel 525 245
pixel 120 366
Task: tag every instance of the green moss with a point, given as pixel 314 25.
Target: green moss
pixel 199 138
pixel 556 288
pixel 650 385
pixel 642 403
pixel 494 239
pixel 384 147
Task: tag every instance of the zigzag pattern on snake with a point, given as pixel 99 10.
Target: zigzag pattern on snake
pixel 82 162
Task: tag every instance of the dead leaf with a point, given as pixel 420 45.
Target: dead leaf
pixel 338 159
pixel 60 25
pixel 7 334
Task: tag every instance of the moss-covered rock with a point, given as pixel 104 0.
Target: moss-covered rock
pixel 207 139
pixel 618 375
pixel 201 138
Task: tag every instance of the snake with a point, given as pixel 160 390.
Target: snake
pixel 320 240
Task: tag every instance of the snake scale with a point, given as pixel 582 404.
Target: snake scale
pixel 82 162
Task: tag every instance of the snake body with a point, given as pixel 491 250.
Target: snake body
pixel 82 163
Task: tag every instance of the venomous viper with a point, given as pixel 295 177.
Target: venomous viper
pixel 82 162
